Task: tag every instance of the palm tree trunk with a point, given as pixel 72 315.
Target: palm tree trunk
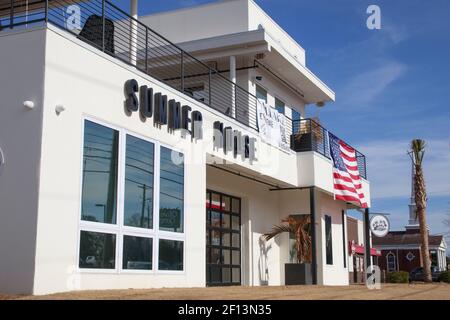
pixel 420 197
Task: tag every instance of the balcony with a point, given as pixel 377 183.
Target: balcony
pixel 309 135
pixel 108 28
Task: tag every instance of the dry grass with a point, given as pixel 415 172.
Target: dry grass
pixel 353 292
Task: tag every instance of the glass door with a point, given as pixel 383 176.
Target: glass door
pixel 223 239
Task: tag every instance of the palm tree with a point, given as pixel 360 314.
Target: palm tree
pixel 420 194
pixel 299 226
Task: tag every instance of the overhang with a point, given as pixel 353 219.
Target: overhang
pixel 276 58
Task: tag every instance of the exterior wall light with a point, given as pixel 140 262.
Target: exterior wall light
pixel 28 104
pixel 59 108
pixel 259 78
pixel 320 104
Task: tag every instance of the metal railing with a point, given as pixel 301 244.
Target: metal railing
pixel 110 29
pixel 309 135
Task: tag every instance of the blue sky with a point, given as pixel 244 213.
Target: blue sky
pixel 392 85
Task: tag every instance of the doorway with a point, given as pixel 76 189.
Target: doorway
pixel 223 239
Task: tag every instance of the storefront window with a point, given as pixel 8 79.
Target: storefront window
pixel 97 250
pixel 99 174
pixel 138 208
pixel 171 191
pixel 137 253
pixel 170 255
pixel 132 239
pixel 328 240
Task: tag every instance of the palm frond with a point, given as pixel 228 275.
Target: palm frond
pixel 418 150
pixel 276 230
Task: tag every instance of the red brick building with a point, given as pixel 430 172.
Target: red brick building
pixel 400 250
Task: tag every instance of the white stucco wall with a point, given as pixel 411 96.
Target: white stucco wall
pixel 89 84
pixel 335 274
pixel 222 18
pixel 21 80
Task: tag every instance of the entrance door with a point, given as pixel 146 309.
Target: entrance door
pixel 223 239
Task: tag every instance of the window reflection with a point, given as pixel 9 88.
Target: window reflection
pixel 170 255
pixel 137 253
pixel 97 250
pixel 99 173
pixel 139 171
pixel 171 191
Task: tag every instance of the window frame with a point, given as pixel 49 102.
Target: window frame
pixel 284 105
pixel 390 254
pixel 119 229
pixel 257 85
pixel 329 258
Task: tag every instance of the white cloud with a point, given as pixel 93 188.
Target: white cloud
pixel 389 168
pixel 363 89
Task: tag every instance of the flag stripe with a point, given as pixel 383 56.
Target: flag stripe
pixel 347 181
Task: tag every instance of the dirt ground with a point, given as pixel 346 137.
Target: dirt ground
pixel 353 292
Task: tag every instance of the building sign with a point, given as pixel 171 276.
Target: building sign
pixel 170 218
pixel 164 111
pixel 272 127
pixel 379 225
pixel 234 142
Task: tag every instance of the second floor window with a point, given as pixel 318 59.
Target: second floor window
pixel 280 106
pixel 261 94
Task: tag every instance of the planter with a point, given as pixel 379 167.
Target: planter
pixel 302 143
pixel 297 273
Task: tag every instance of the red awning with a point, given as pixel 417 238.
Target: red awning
pixel 355 248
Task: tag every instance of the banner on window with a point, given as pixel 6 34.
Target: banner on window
pixel 272 127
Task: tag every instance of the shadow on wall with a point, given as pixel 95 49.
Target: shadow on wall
pixel 263 268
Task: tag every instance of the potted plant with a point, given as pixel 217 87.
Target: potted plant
pixel 309 135
pixel 299 227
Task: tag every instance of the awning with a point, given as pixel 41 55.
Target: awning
pixel 358 249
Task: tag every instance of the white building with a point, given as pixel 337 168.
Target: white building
pixel 92 195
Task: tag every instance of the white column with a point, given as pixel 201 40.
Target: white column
pixel 133 31
pixel 233 89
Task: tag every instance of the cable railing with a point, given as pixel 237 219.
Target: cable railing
pixel 113 31
pixel 309 135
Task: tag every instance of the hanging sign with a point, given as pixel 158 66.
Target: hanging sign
pixel 379 225
pixel 272 127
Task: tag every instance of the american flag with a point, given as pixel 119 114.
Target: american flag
pixel 347 182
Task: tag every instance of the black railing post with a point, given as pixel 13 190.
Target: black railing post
pixel 236 104
pixel 365 167
pixel 311 134
pixel 146 50
pixel 324 141
pixel 209 88
pixel 11 15
pixel 103 25
pixel 182 71
pixel 368 263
